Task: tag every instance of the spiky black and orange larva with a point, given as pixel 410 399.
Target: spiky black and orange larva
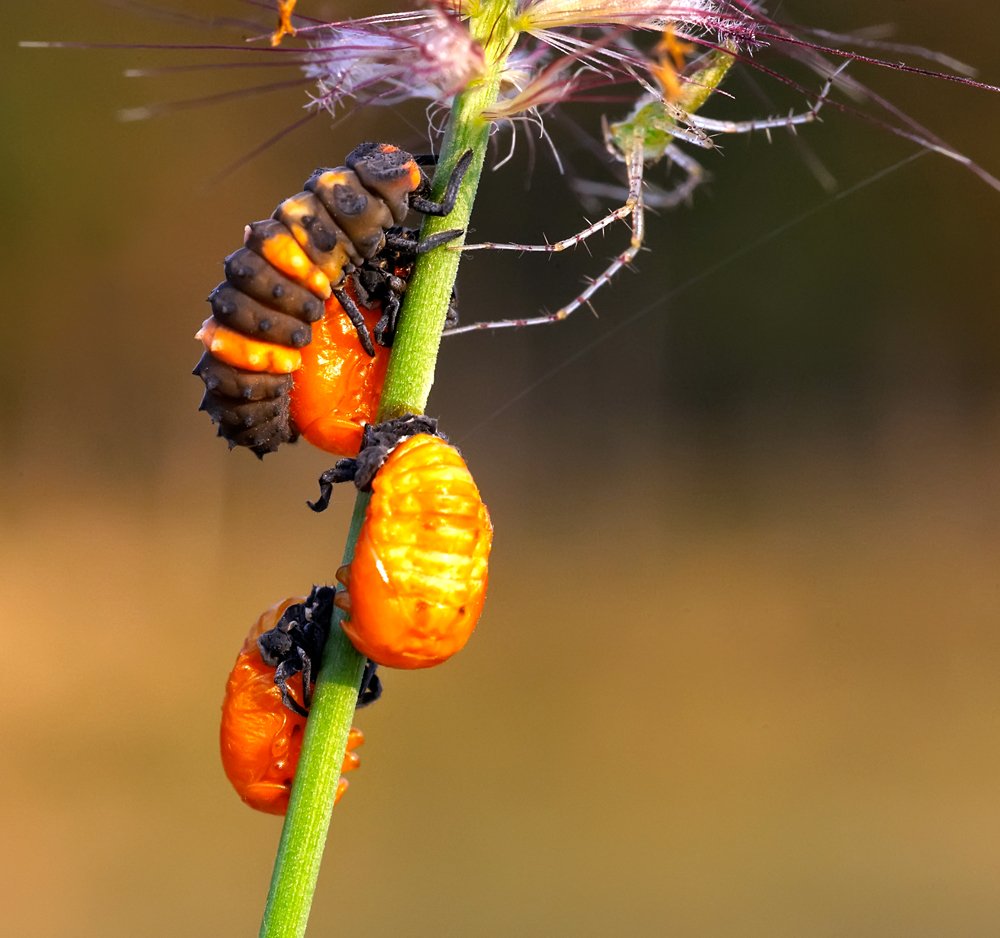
pixel 334 247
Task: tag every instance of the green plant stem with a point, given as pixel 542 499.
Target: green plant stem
pixel 415 348
pixel 300 851
pixel 408 384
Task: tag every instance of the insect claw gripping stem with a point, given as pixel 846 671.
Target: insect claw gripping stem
pixel 405 243
pixel 371 685
pixel 343 471
pixel 377 442
pixel 419 203
pixel 294 644
pixel 436 240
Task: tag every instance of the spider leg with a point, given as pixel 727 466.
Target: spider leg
pixel 708 124
pixel 554 247
pixel 694 176
pixel 683 126
pixel 633 207
pixel 653 196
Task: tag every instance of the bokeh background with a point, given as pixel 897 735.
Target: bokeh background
pixel 738 671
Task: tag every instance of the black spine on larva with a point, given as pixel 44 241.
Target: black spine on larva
pixel 250 407
pixel 262 426
pixel 251 274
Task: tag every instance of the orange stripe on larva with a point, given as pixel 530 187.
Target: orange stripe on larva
pixel 283 252
pixel 237 350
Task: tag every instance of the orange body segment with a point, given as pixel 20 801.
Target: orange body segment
pixel 280 249
pixel 260 738
pixel 237 350
pixel 417 584
pixel 337 389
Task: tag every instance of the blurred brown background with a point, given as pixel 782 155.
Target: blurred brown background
pixel 738 671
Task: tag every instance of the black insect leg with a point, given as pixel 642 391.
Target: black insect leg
pixel 451 316
pixel 284 672
pixel 343 471
pixel 357 319
pixel 428 207
pixel 371 687
pixel 385 328
pixel 404 243
pixel 307 679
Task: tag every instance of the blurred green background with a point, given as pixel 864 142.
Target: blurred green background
pixel 738 670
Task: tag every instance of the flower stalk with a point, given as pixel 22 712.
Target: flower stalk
pixel 407 387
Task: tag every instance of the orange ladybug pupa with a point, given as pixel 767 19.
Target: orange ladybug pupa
pixel 262 721
pixel 416 586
